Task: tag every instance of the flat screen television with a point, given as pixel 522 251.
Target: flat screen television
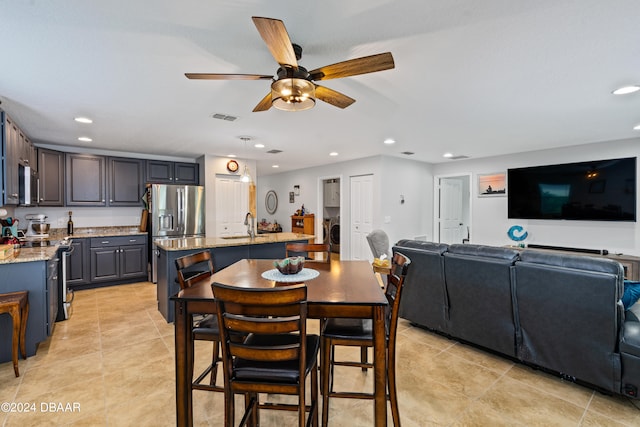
pixel 599 190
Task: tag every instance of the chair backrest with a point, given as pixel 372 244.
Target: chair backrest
pixel 261 311
pixel 307 249
pixel 393 291
pixel 193 268
pixel 379 243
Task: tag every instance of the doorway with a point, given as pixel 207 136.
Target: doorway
pixel 452 209
pixel 330 200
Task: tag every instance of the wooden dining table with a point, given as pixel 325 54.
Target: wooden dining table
pixel 342 289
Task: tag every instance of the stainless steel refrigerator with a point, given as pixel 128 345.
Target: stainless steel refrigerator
pixel 175 211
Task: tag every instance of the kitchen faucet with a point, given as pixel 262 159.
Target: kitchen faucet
pixel 250 226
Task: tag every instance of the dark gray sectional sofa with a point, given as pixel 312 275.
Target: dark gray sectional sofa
pixel 554 311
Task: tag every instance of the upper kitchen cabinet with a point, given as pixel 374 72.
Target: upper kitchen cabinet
pixel 186 173
pixel 162 172
pixel 17 154
pixel 51 177
pixel 85 180
pixel 126 184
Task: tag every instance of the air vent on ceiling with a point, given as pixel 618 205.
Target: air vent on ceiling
pixel 458 157
pixel 408 153
pixel 224 117
pixel 274 151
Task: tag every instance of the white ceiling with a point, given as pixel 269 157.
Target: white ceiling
pixel 475 78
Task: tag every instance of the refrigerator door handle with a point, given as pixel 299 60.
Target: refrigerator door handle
pixel 181 210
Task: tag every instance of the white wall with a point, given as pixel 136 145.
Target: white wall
pixel 391 176
pixel 489 214
pixel 209 167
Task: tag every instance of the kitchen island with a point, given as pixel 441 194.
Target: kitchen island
pixel 224 250
pixel 34 270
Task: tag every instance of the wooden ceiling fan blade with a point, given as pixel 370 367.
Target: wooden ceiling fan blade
pixel 264 104
pixel 333 97
pixel 354 67
pixel 275 35
pixel 214 76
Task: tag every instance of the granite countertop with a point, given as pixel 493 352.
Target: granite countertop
pixel 220 242
pixel 45 253
pixel 86 232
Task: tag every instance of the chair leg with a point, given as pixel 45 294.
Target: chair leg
pixel 24 315
pixel 325 366
pixel 229 409
pixel 15 337
pixel 314 397
pixel 214 362
pixel 393 391
pixel 364 356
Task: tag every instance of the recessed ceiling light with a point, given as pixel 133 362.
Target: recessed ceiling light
pixel 333 153
pixel 85 139
pixel 636 127
pixel 447 155
pixel 83 120
pixel 258 145
pixel 275 166
pixel 389 141
pixel 626 90
pixel 231 155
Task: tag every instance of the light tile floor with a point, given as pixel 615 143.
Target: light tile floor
pixel 114 358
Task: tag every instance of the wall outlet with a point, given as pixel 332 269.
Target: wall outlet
pixel 61 222
pixel 136 220
pixel 387 219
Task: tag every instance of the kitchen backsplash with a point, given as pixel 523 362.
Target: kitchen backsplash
pixel 83 216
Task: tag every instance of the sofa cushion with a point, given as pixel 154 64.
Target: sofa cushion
pixel 579 262
pixel 425 246
pixel 506 254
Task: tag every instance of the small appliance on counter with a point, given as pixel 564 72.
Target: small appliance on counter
pixel 38 226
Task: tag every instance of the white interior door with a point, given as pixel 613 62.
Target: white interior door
pixel 361 216
pixel 451 218
pixel 232 204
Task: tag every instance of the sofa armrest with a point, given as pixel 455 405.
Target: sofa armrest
pixel 630 336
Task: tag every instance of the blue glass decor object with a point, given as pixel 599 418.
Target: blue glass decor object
pixel 516 234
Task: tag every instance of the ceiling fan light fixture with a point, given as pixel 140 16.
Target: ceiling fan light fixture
pixel 293 94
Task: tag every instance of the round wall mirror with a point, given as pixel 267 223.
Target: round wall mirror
pixel 271 202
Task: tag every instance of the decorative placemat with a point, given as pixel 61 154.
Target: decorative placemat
pixel 302 276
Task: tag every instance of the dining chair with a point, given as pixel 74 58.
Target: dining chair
pixel 359 333
pixel 309 249
pixel 276 356
pixel 192 269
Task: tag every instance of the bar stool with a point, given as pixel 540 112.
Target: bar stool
pixel 16 304
pixel 358 333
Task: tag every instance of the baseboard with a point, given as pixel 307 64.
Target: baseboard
pixel 562 248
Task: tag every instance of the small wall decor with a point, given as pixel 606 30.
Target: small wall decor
pixel 292 197
pixel 492 185
pixel 271 202
pixel 296 190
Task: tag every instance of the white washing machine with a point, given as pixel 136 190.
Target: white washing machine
pixel 334 235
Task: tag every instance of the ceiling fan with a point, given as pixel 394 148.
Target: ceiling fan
pixel 294 89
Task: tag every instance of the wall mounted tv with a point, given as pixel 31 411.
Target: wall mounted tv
pixel 599 190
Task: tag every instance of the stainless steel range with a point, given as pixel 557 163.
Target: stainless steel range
pixel 65 295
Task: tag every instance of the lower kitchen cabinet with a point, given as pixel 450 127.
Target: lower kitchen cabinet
pixel 78 267
pixel 118 258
